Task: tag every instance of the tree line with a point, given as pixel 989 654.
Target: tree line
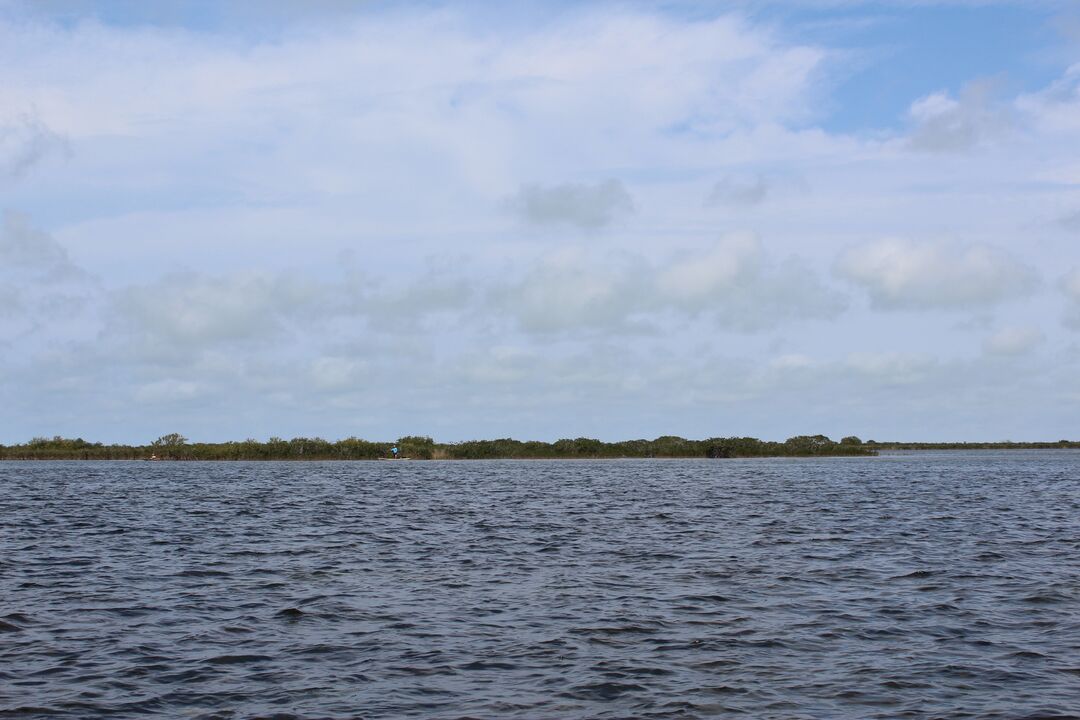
pixel 175 446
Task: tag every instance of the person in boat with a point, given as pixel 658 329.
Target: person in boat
pixel 394 451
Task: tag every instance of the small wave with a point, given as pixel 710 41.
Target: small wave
pixel 601 691
pixel 25 710
pixel 707 598
pixel 487 665
pixel 198 572
pixel 290 612
pixel 236 659
pixel 904 685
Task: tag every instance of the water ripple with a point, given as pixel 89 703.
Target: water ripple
pixel 942 585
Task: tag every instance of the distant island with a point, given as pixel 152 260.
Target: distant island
pixel 176 447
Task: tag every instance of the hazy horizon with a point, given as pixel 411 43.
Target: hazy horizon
pixel 472 220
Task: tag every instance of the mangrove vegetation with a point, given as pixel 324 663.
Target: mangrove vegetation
pixel 175 446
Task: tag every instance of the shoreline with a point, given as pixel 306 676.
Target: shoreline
pixel 881 454
pixel 174 447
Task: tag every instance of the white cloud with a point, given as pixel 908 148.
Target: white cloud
pixel 187 310
pixel 1056 109
pixel 697 278
pixel 184 315
pixel 645 70
pixel 911 275
pixel 426 94
pixel 738 285
pixel 570 289
pixel 733 284
pixel 1013 340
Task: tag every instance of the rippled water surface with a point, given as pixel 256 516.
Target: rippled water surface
pixel 926 586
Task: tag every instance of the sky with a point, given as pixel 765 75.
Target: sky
pixel 540 219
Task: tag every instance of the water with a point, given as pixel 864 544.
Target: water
pixel 925 586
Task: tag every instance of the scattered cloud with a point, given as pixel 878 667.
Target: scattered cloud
pixel 24 142
pixel 733 284
pixel 585 206
pixel 735 192
pixel 1071 221
pixel 1070 286
pixel 695 279
pixel 403 308
pixel 168 391
pixel 1055 109
pixel 792 362
pixel 913 275
pixel 189 310
pixel 336 373
pixel 943 123
pixel 739 285
pixel 571 289
pixel 41 288
pixel 27 249
pixel 1013 340
pixel 10 302
pixel 892 368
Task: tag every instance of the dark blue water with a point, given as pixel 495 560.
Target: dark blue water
pixel 922 586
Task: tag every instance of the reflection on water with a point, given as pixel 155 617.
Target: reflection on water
pixel 928 585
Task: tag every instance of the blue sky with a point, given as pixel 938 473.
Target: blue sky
pixel 900 53
pixel 541 220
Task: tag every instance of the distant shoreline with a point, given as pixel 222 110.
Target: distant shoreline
pixel 883 454
pixel 175 447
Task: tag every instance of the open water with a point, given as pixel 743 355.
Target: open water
pixel 939 585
